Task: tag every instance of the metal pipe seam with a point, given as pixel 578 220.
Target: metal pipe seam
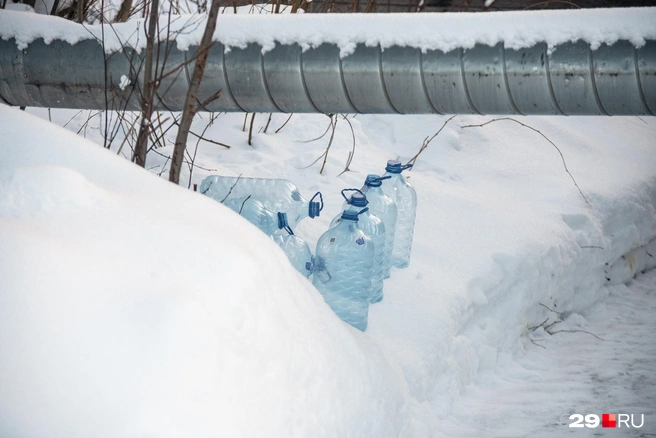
pixel 569 79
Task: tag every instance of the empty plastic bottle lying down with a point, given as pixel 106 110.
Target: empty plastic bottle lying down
pixel 297 251
pixel 280 193
pixel 277 195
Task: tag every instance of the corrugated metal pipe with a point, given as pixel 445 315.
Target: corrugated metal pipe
pixel 569 79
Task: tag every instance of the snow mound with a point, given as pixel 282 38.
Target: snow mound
pixel 132 307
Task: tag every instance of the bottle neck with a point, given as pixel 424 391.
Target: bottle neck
pixel 374 190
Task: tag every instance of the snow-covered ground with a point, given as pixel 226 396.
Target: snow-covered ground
pixel 609 369
pixel 113 281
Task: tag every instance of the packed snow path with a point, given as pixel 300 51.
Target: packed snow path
pixel 575 373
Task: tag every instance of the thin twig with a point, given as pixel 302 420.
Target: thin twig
pixel 352 153
pixel 547 327
pixel 186 162
pixel 551 310
pixel 427 141
pixel 330 142
pixel 212 98
pixel 268 122
pixel 193 158
pixel 71 119
pixel 232 187
pixel 539 345
pixel 244 203
pixel 322 135
pixel 576 331
pixel 243 128
pixel 208 140
pixel 164 166
pixel 120 148
pixel 283 125
pixel 250 131
pixel 562 157
pixel 534 328
pixel 324 155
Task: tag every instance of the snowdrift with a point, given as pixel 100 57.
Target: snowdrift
pixel 113 282
pixel 132 307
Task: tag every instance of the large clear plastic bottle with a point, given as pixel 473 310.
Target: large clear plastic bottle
pixel 374 228
pixel 383 207
pixel 277 195
pixel 275 225
pixel 342 270
pixel 405 197
pixel 256 213
pixel 297 251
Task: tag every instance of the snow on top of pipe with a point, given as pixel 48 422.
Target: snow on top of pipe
pixel 426 31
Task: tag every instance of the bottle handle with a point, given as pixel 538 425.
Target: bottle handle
pixel 315 208
pixel 283 224
pixel 348 200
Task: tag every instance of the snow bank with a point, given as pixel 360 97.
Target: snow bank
pixel 444 31
pixel 132 307
pixel 500 229
pixel 500 225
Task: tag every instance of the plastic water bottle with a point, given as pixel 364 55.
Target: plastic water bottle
pixel 278 195
pixel 342 270
pixel 383 207
pixel 256 213
pixel 374 228
pixel 297 251
pixel 405 197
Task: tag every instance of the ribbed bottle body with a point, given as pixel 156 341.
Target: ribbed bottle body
pixel 297 251
pixel 254 212
pixel 373 228
pixel 405 198
pixel 383 207
pixel 277 195
pixel 343 267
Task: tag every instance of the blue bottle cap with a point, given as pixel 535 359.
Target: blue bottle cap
pixel 393 166
pixel 358 200
pixel 373 180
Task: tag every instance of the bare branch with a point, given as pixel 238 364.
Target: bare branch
pixel 576 331
pixel 539 345
pixel 427 141
pixel 330 142
pixel 562 157
pixel 250 131
pixel 550 310
pixel 534 328
pixel 244 203
pixel 268 122
pixel 231 187
pixel 192 92
pixel 283 125
pixel 352 153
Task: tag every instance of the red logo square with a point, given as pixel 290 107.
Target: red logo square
pixel 608 420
